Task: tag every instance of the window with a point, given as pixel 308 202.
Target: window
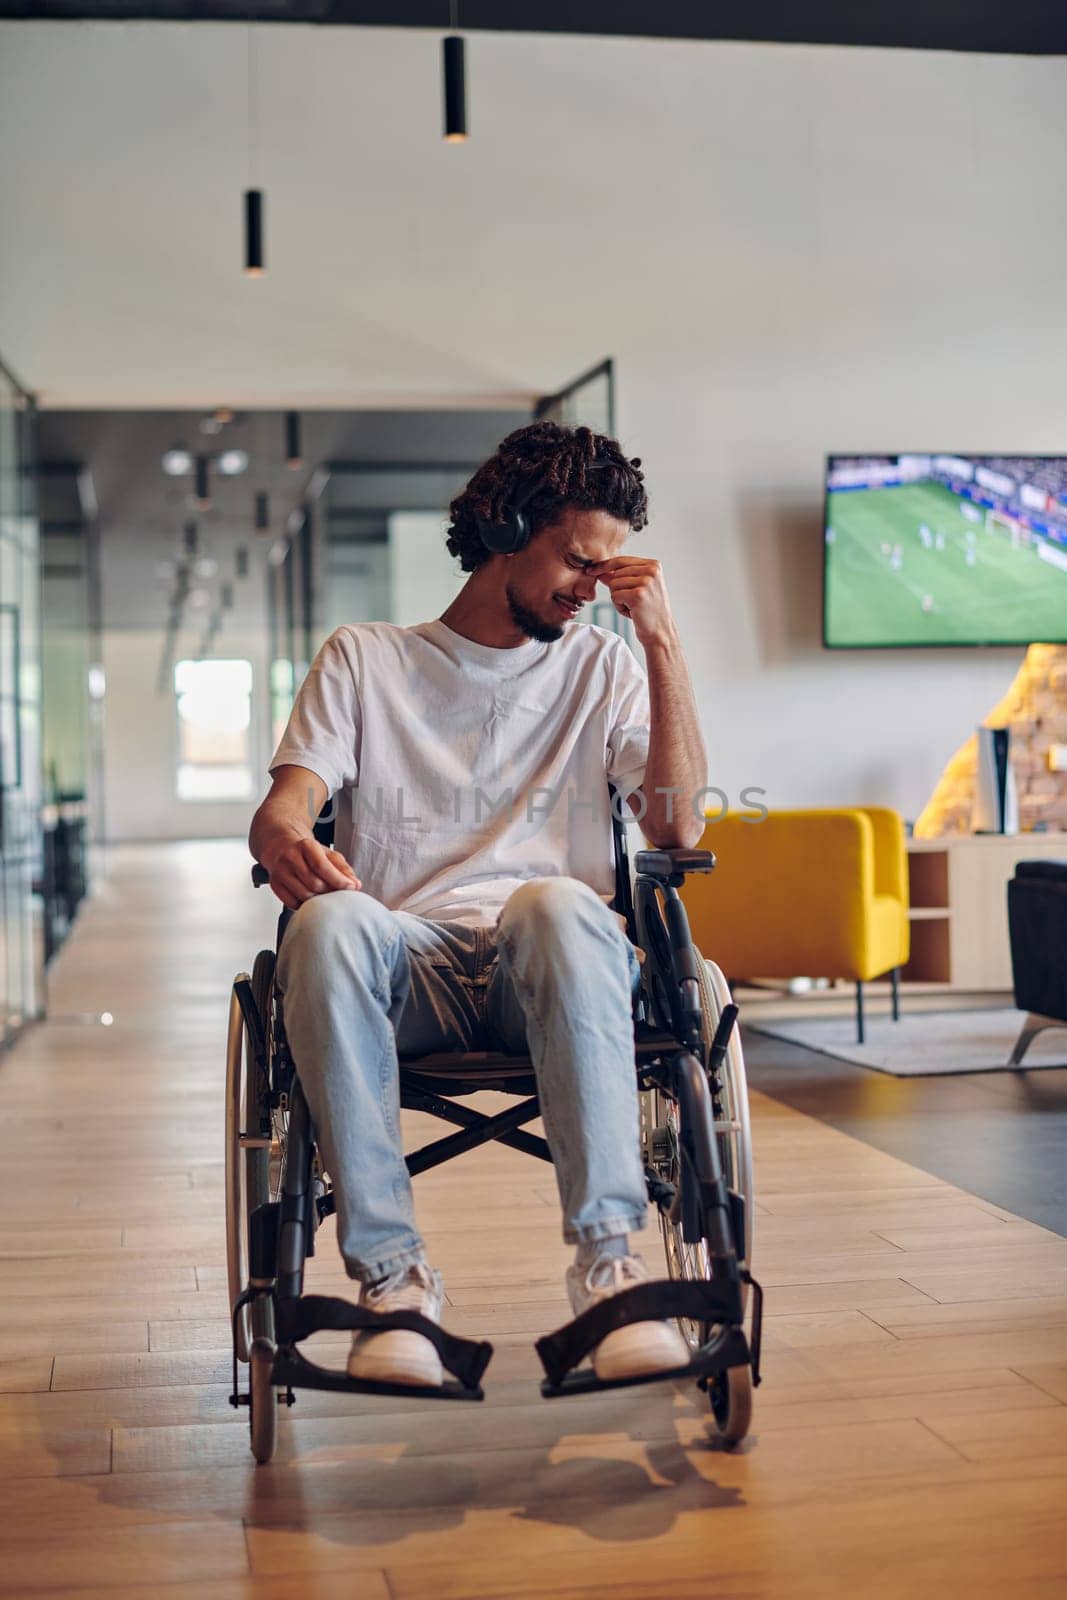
pixel 214 729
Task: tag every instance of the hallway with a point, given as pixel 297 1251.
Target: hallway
pixel 915 1351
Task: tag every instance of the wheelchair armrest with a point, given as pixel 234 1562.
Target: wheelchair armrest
pixel 666 864
pixel 260 875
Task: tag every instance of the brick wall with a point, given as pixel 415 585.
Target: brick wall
pixel 1035 709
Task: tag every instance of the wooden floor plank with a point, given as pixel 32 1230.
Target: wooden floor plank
pixel 25 1373
pixel 30 1450
pixel 1050 1376
pixel 115 1559
pixel 981 1435
pixel 372 1586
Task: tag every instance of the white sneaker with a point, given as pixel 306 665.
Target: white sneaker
pixel 638 1348
pixel 397 1355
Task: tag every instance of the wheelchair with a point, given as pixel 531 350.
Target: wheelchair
pixel 696 1147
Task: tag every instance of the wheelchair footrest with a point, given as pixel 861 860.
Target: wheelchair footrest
pixel 728 1349
pixel 293 1370
pixel 296 1319
pixel 712 1302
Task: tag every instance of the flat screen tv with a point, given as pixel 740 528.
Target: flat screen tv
pixel 944 550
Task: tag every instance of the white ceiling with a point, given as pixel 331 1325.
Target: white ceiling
pixel 661 201
pixel 401 270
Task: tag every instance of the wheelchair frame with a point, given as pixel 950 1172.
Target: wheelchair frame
pixel 678 1058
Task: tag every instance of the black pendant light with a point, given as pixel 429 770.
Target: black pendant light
pixel 262 513
pixel 203 492
pixel 255 260
pixel 454 65
pixel 254 267
pixel 293 458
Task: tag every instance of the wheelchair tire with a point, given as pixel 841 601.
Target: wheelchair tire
pixel 659 1117
pixel 257 1162
pixel 730 1394
pixel 262 1401
pixel 247 1170
pixel 734 1133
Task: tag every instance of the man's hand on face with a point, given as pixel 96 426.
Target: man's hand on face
pixel 638 591
pixel 303 868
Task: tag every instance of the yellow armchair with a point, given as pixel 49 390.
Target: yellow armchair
pixel 814 893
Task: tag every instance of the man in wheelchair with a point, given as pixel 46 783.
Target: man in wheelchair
pixel 465 903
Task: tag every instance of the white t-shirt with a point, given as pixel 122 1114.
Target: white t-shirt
pixel 462 770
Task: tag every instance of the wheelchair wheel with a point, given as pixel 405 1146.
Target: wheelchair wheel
pixel 248 1170
pixel 262 1401
pixel 730 1392
pixel 733 1126
pixel 660 1138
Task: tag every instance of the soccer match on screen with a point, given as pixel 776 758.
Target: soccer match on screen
pixel 945 549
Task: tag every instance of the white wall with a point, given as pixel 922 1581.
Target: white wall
pixel 842 290
pixel 742 547
pixel 788 250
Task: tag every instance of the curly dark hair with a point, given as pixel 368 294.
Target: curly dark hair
pixel 560 456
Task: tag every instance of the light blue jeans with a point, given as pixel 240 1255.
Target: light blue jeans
pixel 364 986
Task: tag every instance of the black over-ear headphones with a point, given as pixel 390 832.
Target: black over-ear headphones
pixel 506 537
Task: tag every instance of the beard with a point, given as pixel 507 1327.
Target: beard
pixel 534 626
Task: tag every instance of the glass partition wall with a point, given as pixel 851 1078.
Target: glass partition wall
pixel 21 946
pixel 71 690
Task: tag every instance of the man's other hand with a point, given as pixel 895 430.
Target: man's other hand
pixel 303 868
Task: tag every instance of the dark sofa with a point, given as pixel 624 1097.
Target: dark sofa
pixel 1037 922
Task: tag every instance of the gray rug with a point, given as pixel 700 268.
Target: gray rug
pixel 924 1044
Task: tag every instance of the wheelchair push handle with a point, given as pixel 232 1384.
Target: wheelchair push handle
pixel 260 876
pixel 670 866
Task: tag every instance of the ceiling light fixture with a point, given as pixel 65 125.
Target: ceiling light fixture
pixel 254 199
pixel 177 461
pixel 232 462
pixel 203 492
pixel 453 61
pixel 262 513
pixel 254 233
pixel 293 458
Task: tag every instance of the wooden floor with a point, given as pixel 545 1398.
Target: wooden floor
pixel 910 1436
